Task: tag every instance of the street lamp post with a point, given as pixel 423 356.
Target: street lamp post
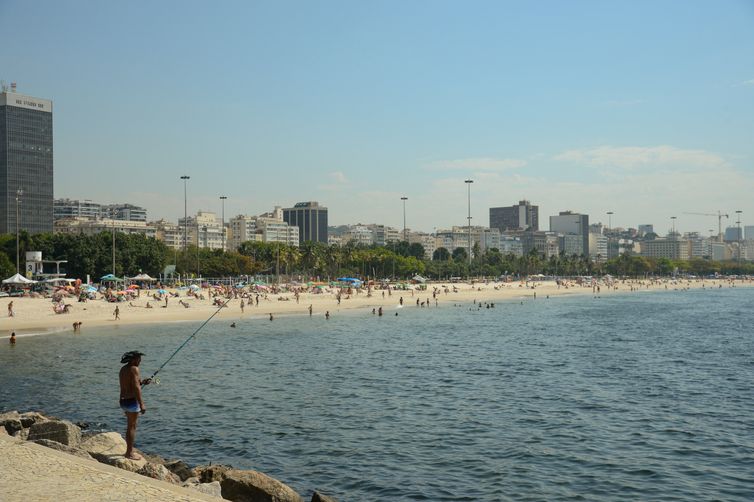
pixel 739 237
pixel 185 212
pixel 223 198
pixel 609 221
pixel 404 199
pixel 19 193
pixel 113 247
pixel 673 218
pixel 468 183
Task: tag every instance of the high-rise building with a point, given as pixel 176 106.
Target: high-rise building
pixel 311 220
pixel 646 229
pixel 25 162
pixel 749 232
pixel 570 223
pixel 733 234
pixel 523 216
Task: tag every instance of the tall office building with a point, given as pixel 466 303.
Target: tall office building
pixel 570 223
pixel 25 162
pixel 311 220
pixel 524 216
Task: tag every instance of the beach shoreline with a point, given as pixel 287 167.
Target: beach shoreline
pixel 35 316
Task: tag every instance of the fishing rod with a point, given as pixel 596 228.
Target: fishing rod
pixel 152 378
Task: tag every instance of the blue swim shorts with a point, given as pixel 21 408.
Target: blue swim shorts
pixel 130 405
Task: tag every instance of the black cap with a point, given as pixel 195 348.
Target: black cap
pixel 130 356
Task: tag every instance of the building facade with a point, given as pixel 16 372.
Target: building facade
pixel 570 223
pixel 523 216
pixel 26 167
pixel 674 249
pixel 311 220
pixel 71 208
pixel 88 226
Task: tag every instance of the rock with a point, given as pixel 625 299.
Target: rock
pixel 210 473
pixel 253 486
pixel 9 415
pixel 180 469
pixel 105 444
pixel 61 447
pixel 213 489
pixel 62 431
pixel 22 434
pixel 121 462
pixel 12 426
pixel 32 417
pixel 318 497
pixel 3 432
pixel 159 471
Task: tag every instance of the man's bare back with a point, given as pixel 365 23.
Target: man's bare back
pixel 130 386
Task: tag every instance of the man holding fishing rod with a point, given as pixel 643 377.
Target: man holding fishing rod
pixel 131 401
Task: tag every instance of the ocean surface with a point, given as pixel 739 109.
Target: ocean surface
pixel 638 396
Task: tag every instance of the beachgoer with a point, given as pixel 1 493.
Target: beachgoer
pixel 232 325
pixel 271 317
pixel 13 338
pixel 131 401
pixel 116 313
pixel 310 310
pixel 10 310
pixel 400 300
pixel 379 312
pixel 242 306
pixel 327 314
pixel 149 306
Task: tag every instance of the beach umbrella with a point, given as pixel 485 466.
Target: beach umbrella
pixel 194 287
pixel 161 291
pixel 133 286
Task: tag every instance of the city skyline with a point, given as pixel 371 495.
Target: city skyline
pixel 623 108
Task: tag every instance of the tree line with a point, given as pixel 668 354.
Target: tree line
pixel 134 253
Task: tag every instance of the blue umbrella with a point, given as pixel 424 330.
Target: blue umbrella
pixel 161 291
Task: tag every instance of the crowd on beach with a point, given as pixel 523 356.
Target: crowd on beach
pixel 155 302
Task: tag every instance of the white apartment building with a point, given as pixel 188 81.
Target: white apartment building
pixel 204 230
pixel 88 226
pixel 168 232
pixel 598 246
pixel 458 237
pixel 358 234
pixel 268 227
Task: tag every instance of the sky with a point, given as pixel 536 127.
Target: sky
pixel 642 108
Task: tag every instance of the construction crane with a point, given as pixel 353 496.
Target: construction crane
pixel 719 215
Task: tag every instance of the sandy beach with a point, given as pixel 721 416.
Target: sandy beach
pixel 36 315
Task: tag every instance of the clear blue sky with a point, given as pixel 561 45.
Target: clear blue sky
pixel 645 108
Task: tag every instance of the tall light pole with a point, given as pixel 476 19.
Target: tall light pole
pixel 673 218
pixel 113 247
pixel 185 212
pixel 609 220
pixel 223 198
pixel 468 183
pixel 19 193
pixel 739 237
pixel 404 199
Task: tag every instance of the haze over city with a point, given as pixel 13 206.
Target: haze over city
pixel 643 109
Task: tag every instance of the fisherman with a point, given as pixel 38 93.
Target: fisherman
pixel 131 401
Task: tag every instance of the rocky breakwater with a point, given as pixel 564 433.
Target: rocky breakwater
pixel 223 482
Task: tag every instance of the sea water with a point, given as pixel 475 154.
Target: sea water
pixel 640 396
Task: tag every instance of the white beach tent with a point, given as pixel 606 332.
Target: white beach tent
pixel 143 277
pixel 18 279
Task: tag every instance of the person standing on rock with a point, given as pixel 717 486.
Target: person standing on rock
pixel 131 401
